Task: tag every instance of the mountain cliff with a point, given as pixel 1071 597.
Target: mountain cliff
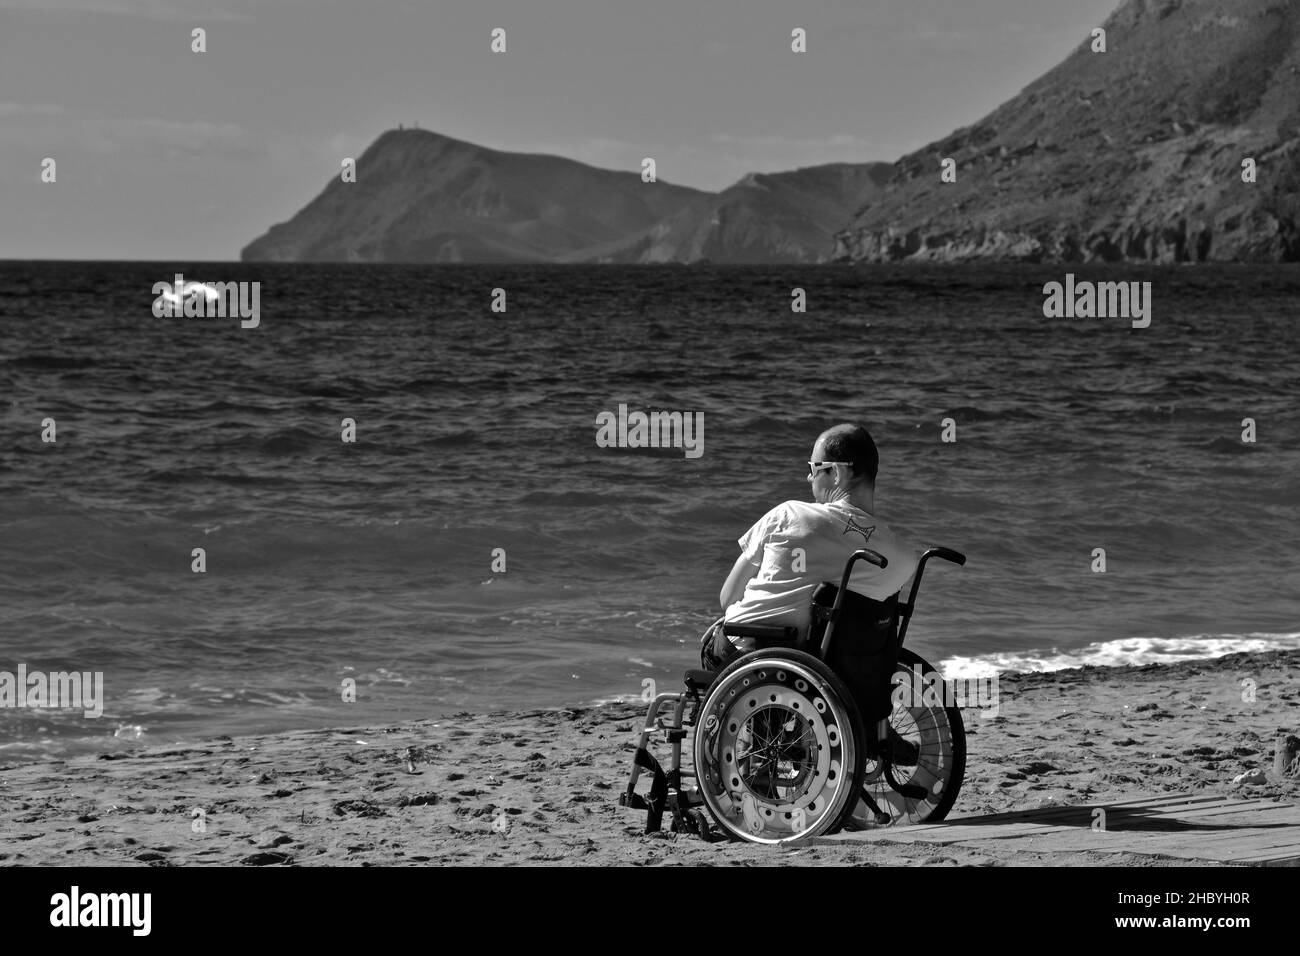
pixel 424 197
pixel 1134 154
pixel 763 218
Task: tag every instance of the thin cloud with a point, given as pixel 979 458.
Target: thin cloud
pixel 123 134
pixel 29 109
pixel 835 141
pixel 196 12
pixel 198 137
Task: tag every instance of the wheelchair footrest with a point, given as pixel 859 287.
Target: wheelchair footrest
pixel 654 807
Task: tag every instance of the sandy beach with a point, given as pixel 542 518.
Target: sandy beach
pixel 542 787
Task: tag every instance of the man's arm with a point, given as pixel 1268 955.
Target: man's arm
pixel 734 589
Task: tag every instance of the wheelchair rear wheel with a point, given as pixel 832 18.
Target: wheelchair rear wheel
pixel 778 748
pixel 937 737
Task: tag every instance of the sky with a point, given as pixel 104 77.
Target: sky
pixel 164 153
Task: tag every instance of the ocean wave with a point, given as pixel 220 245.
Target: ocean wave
pixel 459 439
pixel 1227 446
pixel 51 362
pixel 1134 651
pixel 185 476
pixel 35 543
pixel 973 413
pixel 279 442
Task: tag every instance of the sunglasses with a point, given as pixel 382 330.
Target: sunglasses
pixel 815 467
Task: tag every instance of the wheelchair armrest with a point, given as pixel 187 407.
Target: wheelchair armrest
pixel 696 679
pixel 762 632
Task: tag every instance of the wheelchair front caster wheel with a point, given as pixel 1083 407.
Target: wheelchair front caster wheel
pixel 703 828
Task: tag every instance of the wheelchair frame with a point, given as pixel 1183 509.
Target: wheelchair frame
pixel 673 713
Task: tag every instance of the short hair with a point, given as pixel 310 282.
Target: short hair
pixel 852 443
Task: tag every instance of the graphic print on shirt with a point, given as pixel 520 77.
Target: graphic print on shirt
pixel 851 525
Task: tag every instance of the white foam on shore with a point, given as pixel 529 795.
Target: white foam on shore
pixel 1133 651
pixel 1126 652
pixel 616 699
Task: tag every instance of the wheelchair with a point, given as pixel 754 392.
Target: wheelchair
pixel 808 734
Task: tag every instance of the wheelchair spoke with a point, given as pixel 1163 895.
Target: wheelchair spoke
pixel 928 730
pixel 777 760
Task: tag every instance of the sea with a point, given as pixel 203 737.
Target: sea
pixel 1122 495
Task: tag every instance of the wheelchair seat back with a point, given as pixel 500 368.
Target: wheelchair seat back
pixel 864 648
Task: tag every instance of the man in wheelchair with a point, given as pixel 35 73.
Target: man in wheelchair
pixel 799 544
pixel 791 720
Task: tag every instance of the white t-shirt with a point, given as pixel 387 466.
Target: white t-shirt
pixel 799 544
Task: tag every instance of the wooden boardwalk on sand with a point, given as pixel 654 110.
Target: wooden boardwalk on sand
pixel 1204 827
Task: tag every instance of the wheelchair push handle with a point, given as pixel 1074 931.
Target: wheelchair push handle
pixel 948 554
pixel 865 554
pixel 904 610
